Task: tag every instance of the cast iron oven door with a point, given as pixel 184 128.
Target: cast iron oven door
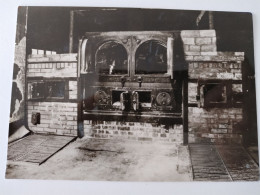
pixel 129 76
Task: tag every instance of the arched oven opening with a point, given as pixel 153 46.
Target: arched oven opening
pixel 151 58
pixel 111 59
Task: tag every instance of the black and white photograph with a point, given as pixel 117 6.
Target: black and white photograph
pixel 133 95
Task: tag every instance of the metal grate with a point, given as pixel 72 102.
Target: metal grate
pixel 37 148
pixel 207 164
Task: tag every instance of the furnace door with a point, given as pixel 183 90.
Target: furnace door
pixel 129 54
pixel 152 55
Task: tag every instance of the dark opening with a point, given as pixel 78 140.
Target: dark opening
pixel 111 58
pixel 56 89
pixel 144 96
pixel 215 93
pixel 116 96
pixel 151 58
pixel 237 97
pixel 36 90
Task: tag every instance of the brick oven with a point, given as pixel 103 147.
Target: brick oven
pixel 156 85
pixel 129 77
pixel 215 90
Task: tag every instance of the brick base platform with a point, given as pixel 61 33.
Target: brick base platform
pixel 134 131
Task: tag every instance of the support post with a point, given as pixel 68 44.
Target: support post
pixel 80 109
pixel 170 60
pixel 211 20
pixel 185 108
pixel 71 31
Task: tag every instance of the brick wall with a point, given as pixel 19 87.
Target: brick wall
pixel 217 124
pixel 60 65
pixel 215 70
pixel 57 116
pixel 73 89
pixel 196 42
pixel 134 131
pixel 200 45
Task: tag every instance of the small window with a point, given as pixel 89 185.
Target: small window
pixel 55 89
pixel 111 59
pixel 151 58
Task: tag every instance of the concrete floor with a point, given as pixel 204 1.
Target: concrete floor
pixel 125 160
pixel 110 160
